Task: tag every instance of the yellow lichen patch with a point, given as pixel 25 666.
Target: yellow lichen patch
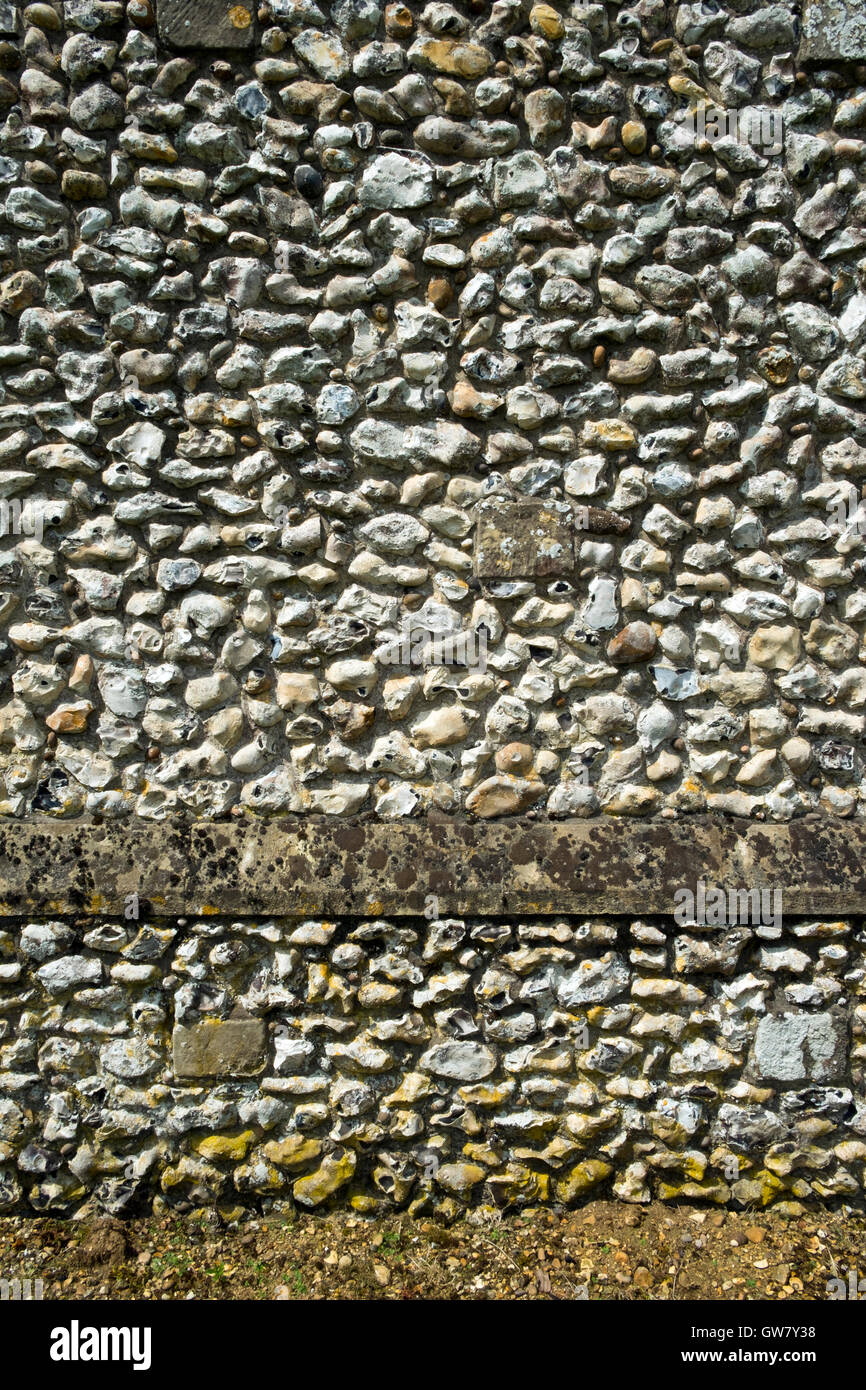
pixel 482 1153
pixel 360 1201
pixel 765 1188
pixel 240 17
pixel 544 20
pixel 333 1173
pixel 203 1177
pixel 584 1127
pixel 232 1147
pixel 460 1178
pixel 486 1095
pixel 608 434
pixel 695 1166
pixel 726 1159
pixel 707 1191
pixel 107 1162
pixel 558 1151
pixel 258 1177
pixel 582 1177
pixel 850 1151
pixel 231 1213
pixel 668 1129
pixel 324 984
pixel 517 1183
pixel 293 1152
pixel 70 719
pixel 782 1162
pixel 451 57
pixel 414 1086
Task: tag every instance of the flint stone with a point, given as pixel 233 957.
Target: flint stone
pixel 396 181
pixel 460 1061
pixel 69 972
pixel 594 981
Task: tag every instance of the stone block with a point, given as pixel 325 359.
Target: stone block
pixel 219 1047
pixel 205 23
pixel 834 31
pixel 799 1046
pixel 524 539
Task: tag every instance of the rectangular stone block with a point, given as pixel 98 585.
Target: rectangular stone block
pixel 524 539
pixel 220 1047
pixel 205 23
pixel 834 30
pixel 800 1047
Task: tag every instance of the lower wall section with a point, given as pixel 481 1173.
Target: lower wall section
pixel 429 1064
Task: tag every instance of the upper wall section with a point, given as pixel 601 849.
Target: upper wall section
pixel 447 408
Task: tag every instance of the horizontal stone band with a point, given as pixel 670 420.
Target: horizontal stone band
pixel 318 866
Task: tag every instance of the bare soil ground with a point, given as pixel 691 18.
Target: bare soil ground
pixel 605 1250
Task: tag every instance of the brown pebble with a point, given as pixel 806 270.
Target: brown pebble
pixel 514 757
pixel 141 14
pixel 439 292
pixel 19 291
pixel 634 137
pixel 635 642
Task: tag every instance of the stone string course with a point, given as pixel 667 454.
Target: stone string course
pixel 288 329
pixel 428 1065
